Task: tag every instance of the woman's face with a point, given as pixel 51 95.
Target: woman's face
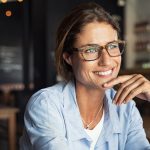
pixel 92 74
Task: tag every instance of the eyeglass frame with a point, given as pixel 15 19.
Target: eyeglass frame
pixel 101 49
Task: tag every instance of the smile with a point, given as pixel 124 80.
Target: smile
pixel 103 73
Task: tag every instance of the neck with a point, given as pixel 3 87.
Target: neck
pixel 89 101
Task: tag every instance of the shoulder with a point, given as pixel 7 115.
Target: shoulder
pixel 48 96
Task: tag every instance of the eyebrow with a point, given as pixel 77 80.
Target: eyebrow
pixel 92 44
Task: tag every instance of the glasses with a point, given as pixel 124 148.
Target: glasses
pixel 93 51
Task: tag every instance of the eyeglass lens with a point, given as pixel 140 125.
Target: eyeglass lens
pixel 93 52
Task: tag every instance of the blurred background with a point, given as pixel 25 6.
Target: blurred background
pixel 27 43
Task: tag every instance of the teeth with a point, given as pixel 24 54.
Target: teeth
pixel 104 73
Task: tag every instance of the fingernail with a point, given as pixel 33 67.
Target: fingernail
pixel 117 104
pixel 105 84
pixel 114 101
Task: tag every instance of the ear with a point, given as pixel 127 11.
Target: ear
pixel 67 58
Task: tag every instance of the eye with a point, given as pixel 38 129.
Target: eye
pixel 90 50
pixel 113 46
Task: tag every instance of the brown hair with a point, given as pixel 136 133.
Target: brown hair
pixel 71 25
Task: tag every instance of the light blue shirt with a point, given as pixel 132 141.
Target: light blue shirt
pixel 53 122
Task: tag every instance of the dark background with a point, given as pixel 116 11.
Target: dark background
pixel 27 38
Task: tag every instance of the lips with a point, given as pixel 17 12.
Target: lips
pixel 104 73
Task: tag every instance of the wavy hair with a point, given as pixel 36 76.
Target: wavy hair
pixel 72 25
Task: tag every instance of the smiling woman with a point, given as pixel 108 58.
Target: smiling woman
pixel 100 69
pixel 79 113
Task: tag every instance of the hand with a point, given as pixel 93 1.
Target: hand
pixel 135 85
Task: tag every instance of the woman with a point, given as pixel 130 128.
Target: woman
pixel 84 112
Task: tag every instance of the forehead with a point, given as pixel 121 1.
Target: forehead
pixel 97 33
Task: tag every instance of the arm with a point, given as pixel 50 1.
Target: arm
pixel 136 138
pixel 44 123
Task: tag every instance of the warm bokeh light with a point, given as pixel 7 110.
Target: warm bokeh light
pixel 20 0
pixel 3 1
pixel 8 13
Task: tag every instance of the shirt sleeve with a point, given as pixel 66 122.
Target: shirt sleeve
pixel 136 138
pixel 44 123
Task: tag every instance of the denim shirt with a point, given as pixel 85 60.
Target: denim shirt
pixel 53 122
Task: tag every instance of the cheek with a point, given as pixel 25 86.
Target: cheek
pixel 80 69
pixel 117 60
pixel 117 63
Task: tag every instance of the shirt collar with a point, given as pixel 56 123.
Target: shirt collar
pixel 72 113
pixel 71 110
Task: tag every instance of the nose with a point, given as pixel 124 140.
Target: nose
pixel 105 59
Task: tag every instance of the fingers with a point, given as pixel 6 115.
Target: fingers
pixel 128 90
pixel 131 86
pixel 133 93
pixel 120 79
